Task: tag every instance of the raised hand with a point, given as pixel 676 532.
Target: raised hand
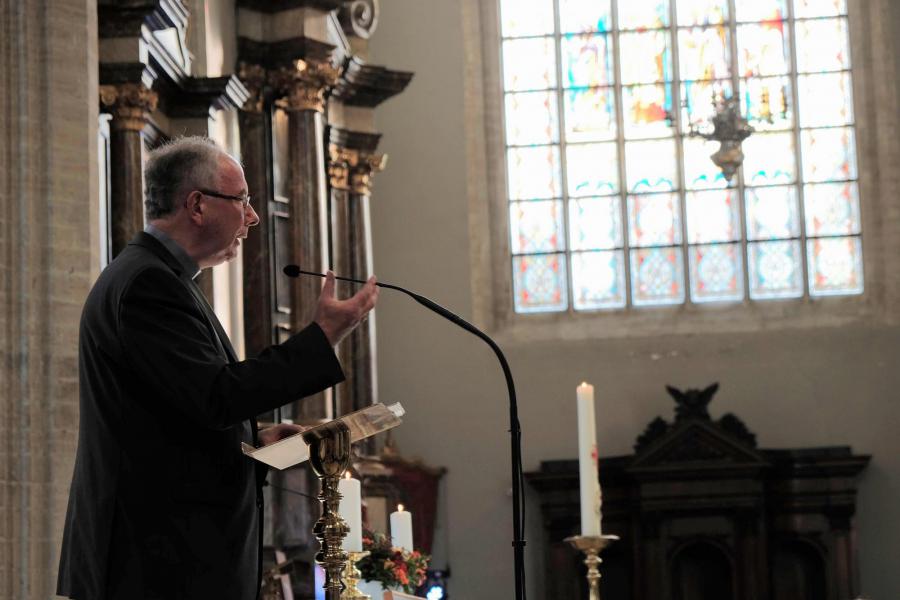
pixel 336 317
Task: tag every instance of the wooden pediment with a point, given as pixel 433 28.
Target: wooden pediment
pixel 695 441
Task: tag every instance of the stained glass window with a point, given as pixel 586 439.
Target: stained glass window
pixel 612 203
pixel 590 114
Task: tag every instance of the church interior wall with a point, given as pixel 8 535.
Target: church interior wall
pixel 823 384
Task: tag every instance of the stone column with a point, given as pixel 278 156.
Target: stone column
pixel 341 160
pixel 49 255
pixel 353 256
pixel 256 156
pixel 306 87
pixel 130 105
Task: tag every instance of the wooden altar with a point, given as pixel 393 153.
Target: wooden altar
pixel 703 514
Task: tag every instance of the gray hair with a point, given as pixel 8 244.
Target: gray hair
pixel 183 162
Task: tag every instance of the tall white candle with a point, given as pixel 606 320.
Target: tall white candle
pixel 401 529
pixel 589 484
pixel 351 511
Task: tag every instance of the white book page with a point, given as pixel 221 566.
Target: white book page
pixel 293 450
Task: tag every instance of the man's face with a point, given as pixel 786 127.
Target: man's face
pixel 227 221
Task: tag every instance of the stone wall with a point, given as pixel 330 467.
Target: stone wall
pixel 49 245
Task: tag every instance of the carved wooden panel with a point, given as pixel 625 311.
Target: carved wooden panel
pixel 703 514
pixel 281 245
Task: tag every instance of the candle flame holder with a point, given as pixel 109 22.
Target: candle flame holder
pixel 352 577
pixel 592 546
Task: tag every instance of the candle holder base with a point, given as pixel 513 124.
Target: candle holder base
pixel 329 457
pixel 592 545
pixel 352 576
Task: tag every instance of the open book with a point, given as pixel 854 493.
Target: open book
pixel 292 450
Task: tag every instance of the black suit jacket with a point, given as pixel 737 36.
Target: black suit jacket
pixel 163 503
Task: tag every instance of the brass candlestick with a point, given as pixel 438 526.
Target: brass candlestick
pixel 352 577
pixel 329 456
pixel 592 545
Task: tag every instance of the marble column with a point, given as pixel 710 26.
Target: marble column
pixel 304 102
pixel 256 155
pixel 129 104
pixel 339 164
pixel 353 256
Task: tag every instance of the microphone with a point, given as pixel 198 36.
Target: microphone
pixel 295 271
pixel 515 432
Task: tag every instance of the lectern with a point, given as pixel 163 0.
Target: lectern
pixel 327 447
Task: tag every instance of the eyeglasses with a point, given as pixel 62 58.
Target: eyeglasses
pixel 245 200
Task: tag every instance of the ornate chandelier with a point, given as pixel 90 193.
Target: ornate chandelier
pixel 729 129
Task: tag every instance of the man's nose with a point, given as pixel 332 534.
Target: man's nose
pixel 253 218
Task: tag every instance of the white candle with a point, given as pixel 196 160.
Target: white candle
pixel 401 529
pixel 589 483
pixel 350 510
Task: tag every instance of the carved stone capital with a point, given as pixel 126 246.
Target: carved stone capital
pixel 254 78
pixel 129 103
pixel 361 175
pixel 359 17
pixel 305 84
pixel 341 162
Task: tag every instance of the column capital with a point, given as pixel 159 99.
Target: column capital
pixel 254 77
pixel 340 163
pixel 361 174
pixel 129 103
pixel 304 84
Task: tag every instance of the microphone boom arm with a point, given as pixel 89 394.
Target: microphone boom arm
pixel 515 432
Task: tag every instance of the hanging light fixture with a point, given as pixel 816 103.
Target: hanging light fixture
pixel 729 129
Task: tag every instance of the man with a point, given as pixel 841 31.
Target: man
pixel 163 503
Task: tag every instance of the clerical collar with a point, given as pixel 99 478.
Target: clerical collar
pixel 187 263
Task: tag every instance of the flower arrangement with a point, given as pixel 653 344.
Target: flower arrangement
pixel 392 567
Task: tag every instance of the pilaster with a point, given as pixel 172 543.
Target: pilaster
pixel 49 253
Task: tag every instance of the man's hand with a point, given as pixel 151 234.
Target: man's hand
pixel 336 317
pixel 274 433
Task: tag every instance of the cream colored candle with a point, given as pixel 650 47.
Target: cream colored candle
pixel 589 484
pixel 401 529
pixel 350 510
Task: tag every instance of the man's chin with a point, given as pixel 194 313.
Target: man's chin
pixel 218 260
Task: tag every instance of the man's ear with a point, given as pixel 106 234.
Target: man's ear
pixel 195 207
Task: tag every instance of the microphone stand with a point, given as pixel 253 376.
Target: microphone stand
pixel 515 432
